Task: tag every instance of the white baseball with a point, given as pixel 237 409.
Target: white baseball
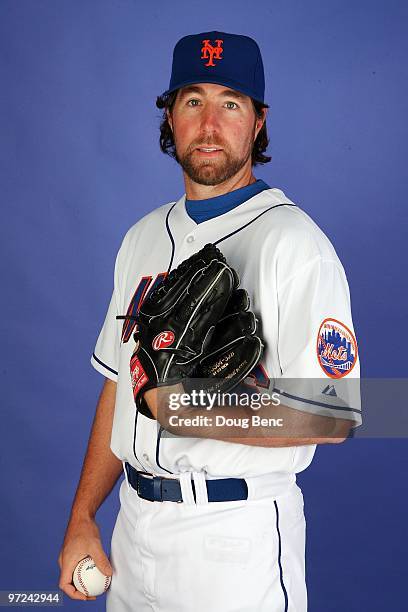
pixel 89 579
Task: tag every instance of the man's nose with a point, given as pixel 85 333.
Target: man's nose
pixel 210 116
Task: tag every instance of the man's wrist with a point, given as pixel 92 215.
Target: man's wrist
pixel 82 515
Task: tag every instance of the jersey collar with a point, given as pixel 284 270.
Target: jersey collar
pixel 183 228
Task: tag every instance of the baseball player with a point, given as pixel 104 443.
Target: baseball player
pixel 207 521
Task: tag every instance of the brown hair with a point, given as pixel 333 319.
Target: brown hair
pixel 166 135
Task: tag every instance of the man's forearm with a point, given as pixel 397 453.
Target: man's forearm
pixel 293 427
pixel 101 468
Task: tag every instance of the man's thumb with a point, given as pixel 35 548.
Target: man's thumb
pixel 102 563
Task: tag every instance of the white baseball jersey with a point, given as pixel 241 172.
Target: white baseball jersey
pixel 298 291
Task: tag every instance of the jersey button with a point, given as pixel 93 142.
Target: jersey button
pixel 190 239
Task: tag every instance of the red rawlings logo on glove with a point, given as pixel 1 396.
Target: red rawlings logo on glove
pixel 163 340
pixel 137 374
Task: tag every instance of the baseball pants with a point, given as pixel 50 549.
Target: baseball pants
pixel 235 556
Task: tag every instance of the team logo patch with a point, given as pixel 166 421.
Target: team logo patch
pixel 336 348
pixel 210 52
pixel 163 340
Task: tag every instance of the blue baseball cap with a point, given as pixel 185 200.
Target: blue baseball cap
pixel 233 60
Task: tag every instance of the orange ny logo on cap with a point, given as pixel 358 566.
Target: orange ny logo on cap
pixel 209 52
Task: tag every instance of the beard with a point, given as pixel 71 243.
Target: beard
pixel 212 171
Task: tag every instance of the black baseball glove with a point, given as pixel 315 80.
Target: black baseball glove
pixel 234 350
pixel 196 323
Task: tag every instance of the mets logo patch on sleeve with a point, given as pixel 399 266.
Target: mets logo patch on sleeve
pixel 336 348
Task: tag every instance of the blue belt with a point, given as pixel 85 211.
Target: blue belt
pixel 158 488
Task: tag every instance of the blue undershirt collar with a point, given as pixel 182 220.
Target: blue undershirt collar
pixel 202 210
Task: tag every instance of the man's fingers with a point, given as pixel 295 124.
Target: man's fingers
pixel 65 583
pixel 71 591
pixel 101 561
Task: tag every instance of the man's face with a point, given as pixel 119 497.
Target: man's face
pixel 213 116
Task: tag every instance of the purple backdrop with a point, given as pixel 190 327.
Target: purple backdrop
pixel 80 163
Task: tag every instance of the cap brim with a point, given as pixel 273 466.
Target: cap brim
pixel 216 81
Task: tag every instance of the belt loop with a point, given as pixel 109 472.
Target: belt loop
pixel 186 488
pixel 126 474
pixel 200 485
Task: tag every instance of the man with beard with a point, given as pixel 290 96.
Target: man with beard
pixel 211 521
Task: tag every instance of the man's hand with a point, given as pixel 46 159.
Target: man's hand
pixel 81 539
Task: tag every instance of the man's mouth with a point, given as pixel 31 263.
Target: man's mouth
pixel 208 150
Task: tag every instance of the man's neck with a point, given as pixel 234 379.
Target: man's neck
pixel 195 191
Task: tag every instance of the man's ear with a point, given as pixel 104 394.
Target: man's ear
pixel 263 118
pixel 260 121
pixel 169 119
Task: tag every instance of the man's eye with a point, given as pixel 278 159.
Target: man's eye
pixel 198 101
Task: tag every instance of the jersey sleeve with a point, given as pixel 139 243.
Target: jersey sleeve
pixel 317 346
pixel 105 357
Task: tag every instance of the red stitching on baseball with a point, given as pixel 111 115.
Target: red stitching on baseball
pixel 107 581
pixel 81 582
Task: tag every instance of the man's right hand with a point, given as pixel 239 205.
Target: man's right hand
pixel 81 539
